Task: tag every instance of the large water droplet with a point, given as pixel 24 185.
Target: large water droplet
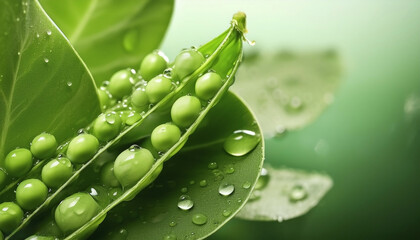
pixel 130 40
pixel 185 203
pixel 297 193
pixel 241 142
pixel 199 219
pixel 226 189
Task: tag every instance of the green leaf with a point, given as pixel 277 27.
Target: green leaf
pixel 110 35
pixel 295 87
pixel 154 213
pixel 288 194
pixel 44 85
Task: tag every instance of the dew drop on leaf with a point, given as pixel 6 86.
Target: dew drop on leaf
pixel 49 32
pixel 69 84
pixel 185 203
pixel 203 183
pixel 170 237
pixel 199 219
pixel 226 189
pixel 241 142
pixel 46 60
pixel 262 180
pixel 297 193
pixel 226 213
pixel 246 185
pixel 212 165
pixel 172 224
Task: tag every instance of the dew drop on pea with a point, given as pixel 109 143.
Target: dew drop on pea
pixel 241 142
pixel 212 165
pixel 263 179
pixel 170 237
pixel 199 219
pixel 297 193
pixel 134 148
pixel 226 189
pixel 110 118
pixel 185 203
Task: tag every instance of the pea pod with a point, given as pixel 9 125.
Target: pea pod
pixel 223 55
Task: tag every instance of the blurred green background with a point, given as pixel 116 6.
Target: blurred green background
pixel 367 140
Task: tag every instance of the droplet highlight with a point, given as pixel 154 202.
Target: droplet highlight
pixel 241 142
pixel 226 189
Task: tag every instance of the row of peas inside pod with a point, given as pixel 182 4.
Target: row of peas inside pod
pixel 60 178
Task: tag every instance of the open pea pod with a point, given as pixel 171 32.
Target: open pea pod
pixel 223 56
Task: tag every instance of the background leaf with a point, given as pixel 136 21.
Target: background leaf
pixel 289 193
pixel 44 85
pixel 154 213
pixel 296 87
pixel 111 35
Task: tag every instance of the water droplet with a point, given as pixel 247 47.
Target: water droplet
pixel 130 40
pixel 18 19
pixel 185 203
pixel 203 183
pixel 229 169
pixel 37 35
pixel 295 104
pixel 134 148
pixel 246 185
pixel 69 84
pixel 192 182
pixel 280 130
pixel 132 118
pixel 111 117
pixel 226 213
pixel 122 234
pixel 46 60
pixel 115 193
pixel 226 189
pixel 212 165
pixel 81 131
pixel 170 237
pixel 167 73
pixel 49 32
pixel 218 175
pixel 297 193
pixel 172 224
pixel 18 53
pixel 263 179
pixel 241 142
pixel 199 219
pixel 184 190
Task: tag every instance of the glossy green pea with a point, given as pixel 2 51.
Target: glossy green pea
pixel 31 193
pixel 158 88
pixel 10 216
pixel 185 110
pixel 104 98
pixel 56 172
pixel 153 64
pixel 3 178
pixel 44 146
pixel 121 83
pixel 132 164
pixel 107 175
pixel 82 148
pixel 18 162
pixel 75 211
pixel 165 136
pixel 139 99
pixel 187 62
pixel 207 85
pixel 107 126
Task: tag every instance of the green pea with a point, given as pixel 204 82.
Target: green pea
pixel 132 164
pixel 158 88
pixel 10 216
pixel 107 126
pixel 165 136
pixel 139 99
pixel 185 110
pixel 187 62
pixel 43 146
pixel 82 148
pixel 56 172
pixel 207 85
pixel 18 162
pixel 75 211
pixel 121 83
pixel 104 98
pixel 31 193
pixel 153 64
pixel 107 175
pixel 3 178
